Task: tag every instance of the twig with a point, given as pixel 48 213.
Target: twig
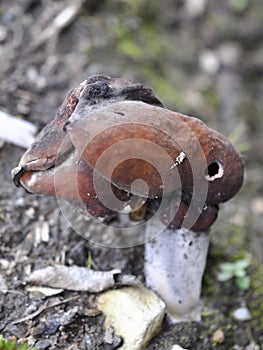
pixel 62 20
pixel 10 291
pixel 250 335
pixel 43 308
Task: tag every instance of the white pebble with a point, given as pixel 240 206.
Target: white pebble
pixel 3 33
pixel 242 314
pixel 209 62
pixel 195 8
pixel 177 347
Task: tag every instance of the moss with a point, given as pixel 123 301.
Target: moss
pixel 130 49
pixel 211 98
pixel 238 5
pixel 256 298
pixel 228 241
pixel 152 40
pixel 164 89
pixel 212 317
pixel 12 345
pixel 146 10
pixel 143 45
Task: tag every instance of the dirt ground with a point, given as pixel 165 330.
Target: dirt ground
pixel 201 60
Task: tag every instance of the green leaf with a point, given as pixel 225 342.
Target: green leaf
pixel 243 282
pixel 89 260
pixel 227 267
pixel 12 345
pixel 223 276
pixel 22 346
pixel 240 273
pixel 242 264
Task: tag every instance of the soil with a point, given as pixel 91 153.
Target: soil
pixel 205 62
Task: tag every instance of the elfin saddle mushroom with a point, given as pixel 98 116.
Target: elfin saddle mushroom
pixel 112 144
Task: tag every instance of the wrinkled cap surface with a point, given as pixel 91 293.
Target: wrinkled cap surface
pixel 114 136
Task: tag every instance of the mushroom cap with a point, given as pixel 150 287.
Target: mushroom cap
pixel 98 90
pixel 112 137
pixel 131 140
pixel 52 167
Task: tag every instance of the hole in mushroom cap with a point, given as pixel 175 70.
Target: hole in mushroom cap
pixel 214 171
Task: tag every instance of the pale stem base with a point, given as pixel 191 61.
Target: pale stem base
pixel 174 265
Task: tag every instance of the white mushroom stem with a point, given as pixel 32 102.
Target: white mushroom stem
pixel 174 265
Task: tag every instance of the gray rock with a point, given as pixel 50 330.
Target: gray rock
pixel 43 344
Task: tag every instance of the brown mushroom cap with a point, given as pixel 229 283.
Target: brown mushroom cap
pixel 130 140
pixel 51 166
pixel 113 134
pixel 98 91
pixel 73 181
pixel 200 220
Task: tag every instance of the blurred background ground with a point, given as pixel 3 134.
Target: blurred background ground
pixel 203 58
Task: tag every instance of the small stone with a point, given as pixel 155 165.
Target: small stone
pixel 195 8
pixel 242 314
pixel 61 318
pixel 30 213
pixel 218 337
pixel 237 347
pixel 32 73
pixel 43 344
pixel 87 342
pixel 112 339
pixel 41 231
pixel 136 314
pixel 229 54
pixel 177 347
pixel 3 33
pixel 209 62
pixel 257 206
pixel 3 285
pixel 23 107
pixel 252 346
pixel 4 264
pixel 20 202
